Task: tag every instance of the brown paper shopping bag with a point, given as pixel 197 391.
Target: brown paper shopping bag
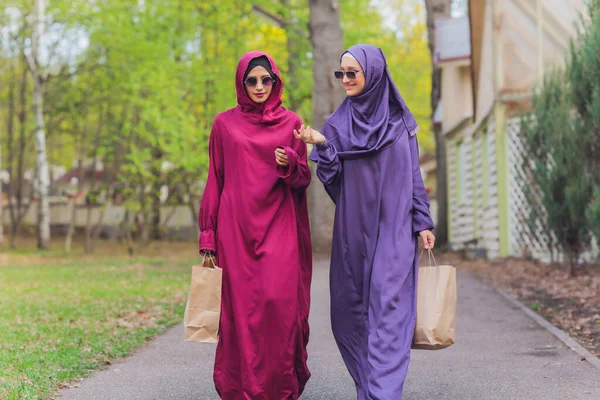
pixel 436 307
pixel 203 308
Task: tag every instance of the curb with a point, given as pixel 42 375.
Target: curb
pixel 559 334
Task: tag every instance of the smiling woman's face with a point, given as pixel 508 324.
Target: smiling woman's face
pixel 259 84
pixel 355 86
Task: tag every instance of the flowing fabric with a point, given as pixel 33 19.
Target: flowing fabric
pixel 377 117
pixel 254 216
pixel 370 168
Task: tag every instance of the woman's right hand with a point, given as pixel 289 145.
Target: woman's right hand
pixel 309 135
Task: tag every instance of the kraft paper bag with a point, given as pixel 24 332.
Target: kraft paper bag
pixel 436 307
pixel 203 308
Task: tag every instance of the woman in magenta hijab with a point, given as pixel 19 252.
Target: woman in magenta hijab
pixel 254 219
pixel 369 163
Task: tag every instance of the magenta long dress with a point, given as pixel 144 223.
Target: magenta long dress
pixel 254 216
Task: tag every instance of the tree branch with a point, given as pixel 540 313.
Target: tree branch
pixel 30 62
pixel 276 20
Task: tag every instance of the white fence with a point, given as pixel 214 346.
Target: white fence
pixel 172 217
pixel 474 197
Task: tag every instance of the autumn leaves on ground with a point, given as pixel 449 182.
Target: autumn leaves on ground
pixel 62 318
pixel 569 303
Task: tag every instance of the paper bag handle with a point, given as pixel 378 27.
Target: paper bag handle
pixel 429 257
pixel 212 259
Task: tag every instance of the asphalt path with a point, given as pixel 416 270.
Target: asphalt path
pixel 500 353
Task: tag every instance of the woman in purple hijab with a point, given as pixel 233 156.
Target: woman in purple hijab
pixel 368 161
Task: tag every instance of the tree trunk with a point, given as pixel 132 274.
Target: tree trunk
pixel 91 200
pixel 326 39
pixel 1 197
pixel 144 219
pixel 1 191
pixel 88 226
pixel 192 206
pixel 99 224
pixel 573 258
pixel 156 227
pixel 20 151
pixel 40 133
pixel 126 231
pixel 73 204
pixel 11 153
pixel 435 10
pixel 73 201
pixel 73 217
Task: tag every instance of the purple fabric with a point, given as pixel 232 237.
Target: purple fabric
pixel 375 119
pixel 381 205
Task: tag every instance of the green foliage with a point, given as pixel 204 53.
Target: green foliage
pixel 562 143
pixel 561 185
pixel 403 39
pixel 584 80
pixel 136 85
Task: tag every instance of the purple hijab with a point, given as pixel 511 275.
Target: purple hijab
pixel 373 120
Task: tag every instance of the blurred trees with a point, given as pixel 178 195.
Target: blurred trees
pixel 131 88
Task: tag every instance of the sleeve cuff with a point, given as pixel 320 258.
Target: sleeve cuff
pixel 206 241
pixel 286 172
pixel 418 228
pixel 323 146
pixel 326 151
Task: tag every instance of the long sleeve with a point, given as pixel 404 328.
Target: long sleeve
pixel 329 168
pixel 297 173
pixel 421 216
pixel 209 208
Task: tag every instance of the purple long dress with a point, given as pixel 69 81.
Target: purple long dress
pixel 370 168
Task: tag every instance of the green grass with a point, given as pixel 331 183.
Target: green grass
pixel 60 322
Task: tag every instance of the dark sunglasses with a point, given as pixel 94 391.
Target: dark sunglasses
pixel 267 81
pixel 350 74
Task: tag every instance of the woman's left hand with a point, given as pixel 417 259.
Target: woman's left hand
pixel 309 135
pixel 281 158
pixel 427 239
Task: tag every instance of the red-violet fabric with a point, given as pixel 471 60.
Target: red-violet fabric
pixel 254 216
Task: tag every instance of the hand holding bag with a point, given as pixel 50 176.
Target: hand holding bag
pixel 436 306
pixel 203 308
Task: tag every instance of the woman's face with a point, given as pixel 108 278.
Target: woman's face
pixel 259 84
pixel 354 86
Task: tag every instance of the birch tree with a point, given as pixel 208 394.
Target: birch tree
pixel 42 172
pixel 1 197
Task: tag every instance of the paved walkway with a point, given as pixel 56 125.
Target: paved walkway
pixel 500 353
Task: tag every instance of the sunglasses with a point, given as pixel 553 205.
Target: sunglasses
pixel 252 81
pixel 350 74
